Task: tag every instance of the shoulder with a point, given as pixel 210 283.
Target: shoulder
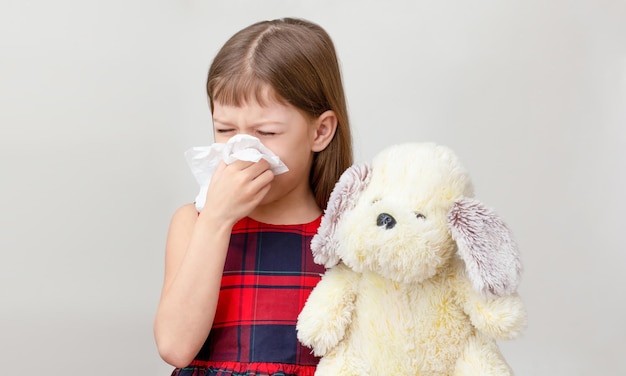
pixel 184 216
pixel 187 210
pixel 181 226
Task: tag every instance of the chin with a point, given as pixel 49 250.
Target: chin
pixel 278 192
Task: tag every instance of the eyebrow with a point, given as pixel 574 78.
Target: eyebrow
pixel 215 120
pixel 257 124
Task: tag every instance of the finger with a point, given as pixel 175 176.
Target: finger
pixel 259 168
pixel 252 169
pixel 239 164
pixel 263 183
pixel 264 178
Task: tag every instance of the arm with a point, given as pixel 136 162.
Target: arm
pixel 196 250
pixel 500 317
pixel 327 313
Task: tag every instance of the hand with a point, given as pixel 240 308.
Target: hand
pixel 236 189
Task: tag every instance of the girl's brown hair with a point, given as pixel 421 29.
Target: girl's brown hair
pixel 297 60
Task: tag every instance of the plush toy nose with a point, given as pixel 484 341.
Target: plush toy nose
pixel 386 220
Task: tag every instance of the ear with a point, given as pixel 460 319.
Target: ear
pixel 486 246
pixel 343 197
pixel 325 127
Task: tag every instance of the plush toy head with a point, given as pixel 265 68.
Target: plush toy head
pixel 408 214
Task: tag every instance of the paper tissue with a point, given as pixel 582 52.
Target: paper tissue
pixel 203 160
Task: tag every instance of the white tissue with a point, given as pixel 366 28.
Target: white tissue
pixel 203 160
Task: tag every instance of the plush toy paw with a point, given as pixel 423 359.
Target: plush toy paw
pixel 322 329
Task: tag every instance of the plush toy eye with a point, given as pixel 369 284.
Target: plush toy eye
pixel 420 216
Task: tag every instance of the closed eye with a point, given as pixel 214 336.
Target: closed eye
pixel 420 216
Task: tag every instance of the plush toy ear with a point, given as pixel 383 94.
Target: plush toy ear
pixel 486 246
pixel 352 182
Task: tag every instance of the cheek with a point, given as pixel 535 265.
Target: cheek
pixel 220 138
pixel 275 147
pixel 298 158
pixel 284 157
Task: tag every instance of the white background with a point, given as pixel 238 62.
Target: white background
pixel 99 100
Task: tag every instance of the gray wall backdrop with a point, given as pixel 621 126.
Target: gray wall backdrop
pixel 99 100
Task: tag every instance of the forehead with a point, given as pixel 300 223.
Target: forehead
pixel 251 108
pixel 243 89
pixel 253 113
pixel 261 98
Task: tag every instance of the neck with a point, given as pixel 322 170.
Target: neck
pixel 290 209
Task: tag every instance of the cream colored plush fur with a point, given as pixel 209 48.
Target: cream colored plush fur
pixel 421 278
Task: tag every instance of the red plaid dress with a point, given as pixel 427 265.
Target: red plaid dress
pixel 268 276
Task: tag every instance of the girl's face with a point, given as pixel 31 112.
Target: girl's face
pixel 283 129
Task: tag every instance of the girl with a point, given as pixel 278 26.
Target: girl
pixel 238 273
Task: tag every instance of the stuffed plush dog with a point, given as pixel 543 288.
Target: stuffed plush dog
pixel 421 277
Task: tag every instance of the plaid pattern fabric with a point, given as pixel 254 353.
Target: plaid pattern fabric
pixel 246 369
pixel 268 276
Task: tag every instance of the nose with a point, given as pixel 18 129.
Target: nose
pixel 386 220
